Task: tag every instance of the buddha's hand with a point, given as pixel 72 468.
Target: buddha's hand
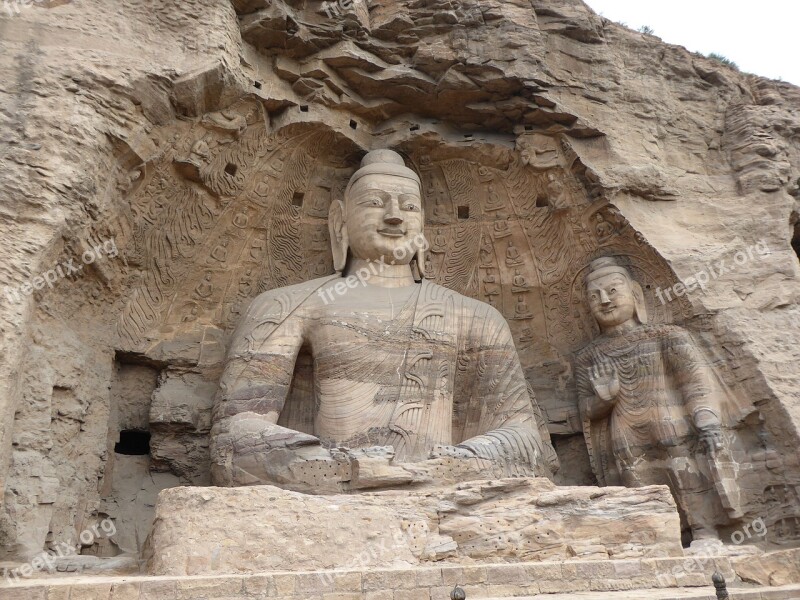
pixel 604 380
pixel 710 430
pixel 373 468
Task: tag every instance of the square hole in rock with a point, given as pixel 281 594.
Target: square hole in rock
pixel 133 442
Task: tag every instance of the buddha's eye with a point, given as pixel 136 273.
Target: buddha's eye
pixel 593 297
pixel 411 207
pixel 613 291
pixel 375 202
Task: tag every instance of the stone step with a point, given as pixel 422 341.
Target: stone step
pixel 786 592
pixel 194 588
pixel 416 583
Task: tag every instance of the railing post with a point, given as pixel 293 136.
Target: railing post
pixel 720 586
pixel 458 593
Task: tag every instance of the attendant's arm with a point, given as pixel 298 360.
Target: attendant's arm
pixel 691 375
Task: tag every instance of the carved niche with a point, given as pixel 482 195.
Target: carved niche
pixel 231 209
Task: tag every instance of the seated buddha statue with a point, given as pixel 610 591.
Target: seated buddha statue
pixel 403 382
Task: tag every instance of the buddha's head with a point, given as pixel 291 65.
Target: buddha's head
pixel 381 217
pixel 615 298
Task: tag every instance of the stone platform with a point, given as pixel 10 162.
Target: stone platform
pixel 648 578
pixel 202 531
pixel 417 583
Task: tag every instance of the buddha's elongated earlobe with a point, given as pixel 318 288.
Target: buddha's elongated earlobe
pixel 638 302
pixel 338 233
pixel 419 255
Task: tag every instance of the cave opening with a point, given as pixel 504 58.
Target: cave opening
pixel 133 442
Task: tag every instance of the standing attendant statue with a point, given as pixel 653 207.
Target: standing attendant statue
pixel 652 411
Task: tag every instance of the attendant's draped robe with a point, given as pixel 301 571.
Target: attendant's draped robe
pixel 664 380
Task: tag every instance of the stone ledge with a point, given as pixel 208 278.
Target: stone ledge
pixel 419 583
pixel 138 591
pixel 788 592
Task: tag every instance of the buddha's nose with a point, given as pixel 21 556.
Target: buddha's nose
pixel 604 297
pixel 393 215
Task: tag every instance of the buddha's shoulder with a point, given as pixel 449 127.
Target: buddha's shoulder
pixel 286 299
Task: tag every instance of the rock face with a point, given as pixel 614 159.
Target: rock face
pixel 774 568
pixel 263 528
pixel 185 156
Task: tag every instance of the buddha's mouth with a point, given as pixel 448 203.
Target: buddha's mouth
pixel 392 232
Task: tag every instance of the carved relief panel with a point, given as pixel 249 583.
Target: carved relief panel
pixel 230 210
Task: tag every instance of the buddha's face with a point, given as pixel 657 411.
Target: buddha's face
pixel 384 218
pixel 611 300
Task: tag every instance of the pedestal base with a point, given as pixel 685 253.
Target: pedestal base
pixel 264 528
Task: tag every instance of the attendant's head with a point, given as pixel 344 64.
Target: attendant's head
pixel 381 216
pixel 615 298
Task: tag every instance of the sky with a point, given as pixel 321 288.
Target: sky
pixel 761 38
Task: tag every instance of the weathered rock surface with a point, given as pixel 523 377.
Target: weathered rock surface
pixel 263 528
pixel 207 139
pixel 781 567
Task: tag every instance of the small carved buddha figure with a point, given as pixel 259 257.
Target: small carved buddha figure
pixel 393 367
pixel 490 284
pixel 556 193
pixel 439 242
pixel 439 209
pixel 494 202
pixel 245 284
pixel 520 284
pixel 205 288
pixel 428 266
pixel 220 251
pixel 513 257
pixel 603 228
pixel 521 310
pixel 487 251
pixel 651 411
pixel 501 229
pixel 319 200
pixel 191 166
pixel 321 267
pixel 318 240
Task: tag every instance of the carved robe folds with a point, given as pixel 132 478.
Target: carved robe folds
pixel 649 432
pixel 436 368
pixel 662 385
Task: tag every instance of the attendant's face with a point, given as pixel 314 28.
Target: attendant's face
pixel 384 218
pixel 611 300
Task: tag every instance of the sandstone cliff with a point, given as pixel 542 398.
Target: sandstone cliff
pixel 104 106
